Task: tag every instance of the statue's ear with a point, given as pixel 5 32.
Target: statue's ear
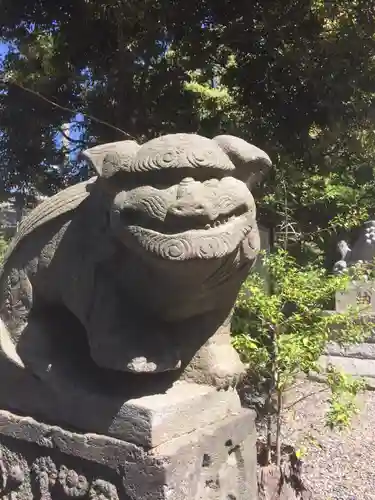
pixel 251 163
pixel 107 159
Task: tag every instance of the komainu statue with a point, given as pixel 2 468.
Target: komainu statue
pixel 363 248
pixel 139 266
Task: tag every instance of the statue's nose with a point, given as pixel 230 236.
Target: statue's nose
pixel 192 200
pixel 192 207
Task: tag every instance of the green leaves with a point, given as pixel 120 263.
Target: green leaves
pixel 284 334
pixel 344 390
pixel 295 77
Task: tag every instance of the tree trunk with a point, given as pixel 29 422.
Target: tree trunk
pixel 282 482
pixel 278 427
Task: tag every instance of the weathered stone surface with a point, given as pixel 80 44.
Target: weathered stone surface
pixel 357 367
pixel 360 351
pixel 147 420
pixel 118 287
pixel 115 307
pixel 362 249
pixel 358 294
pixel 357 360
pixel 364 246
pixel 214 462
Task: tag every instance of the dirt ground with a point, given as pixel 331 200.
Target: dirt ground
pixel 337 465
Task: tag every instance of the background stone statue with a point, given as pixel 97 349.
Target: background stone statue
pixel 344 251
pixel 364 247
pixel 362 250
pixel 138 268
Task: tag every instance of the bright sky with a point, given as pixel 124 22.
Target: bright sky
pixel 3 50
pixel 75 134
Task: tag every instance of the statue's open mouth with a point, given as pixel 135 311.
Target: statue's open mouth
pixel 208 240
pixel 170 223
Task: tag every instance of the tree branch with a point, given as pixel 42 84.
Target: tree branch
pixel 325 389
pixel 64 108
pixel 74 141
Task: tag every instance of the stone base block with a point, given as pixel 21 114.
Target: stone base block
pixel 357 360
pixel 124 406
pixel 365 350
pixel 361 368
pixel 216 461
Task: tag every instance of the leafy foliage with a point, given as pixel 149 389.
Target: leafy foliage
pixel 283 334
pixel 295 77
pixel 343 398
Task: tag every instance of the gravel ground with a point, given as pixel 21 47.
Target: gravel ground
pixel 337 465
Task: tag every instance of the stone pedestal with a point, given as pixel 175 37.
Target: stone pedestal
pixel 359 359
pixel 180 459
pixel 358 294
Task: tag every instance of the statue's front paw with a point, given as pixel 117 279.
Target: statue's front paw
pixel 223 380
pixel 217 365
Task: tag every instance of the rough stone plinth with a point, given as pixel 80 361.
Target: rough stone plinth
pixel 213 462
pixel 359 359
pixel 361 368
pixel 147 421
pixel 357 294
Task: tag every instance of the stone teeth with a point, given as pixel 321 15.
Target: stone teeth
pixel 219 222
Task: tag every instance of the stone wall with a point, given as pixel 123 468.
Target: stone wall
pixel 358 359
pixel 10 216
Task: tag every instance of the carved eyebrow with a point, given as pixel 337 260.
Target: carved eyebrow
pixel 176 174
pixel 168 177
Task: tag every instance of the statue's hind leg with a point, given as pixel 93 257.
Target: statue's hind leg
pixel 45 346
pixel 41 346
pixel 17 299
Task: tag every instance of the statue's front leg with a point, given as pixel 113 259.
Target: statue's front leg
pixel 122 338
pixel 216 362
